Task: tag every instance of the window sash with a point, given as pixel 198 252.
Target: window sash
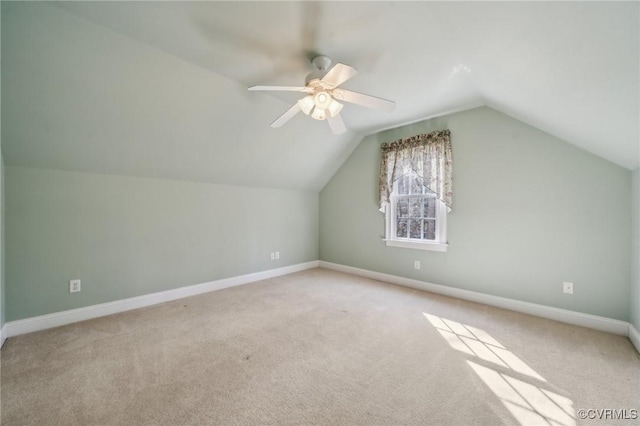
pixel 392 218
pixel 437 218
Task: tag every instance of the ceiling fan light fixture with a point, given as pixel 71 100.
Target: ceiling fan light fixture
pixel 306 104
pixel 322 99
pixel 319 114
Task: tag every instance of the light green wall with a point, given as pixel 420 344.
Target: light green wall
pixel 2 287
pixel 2 247
pixel 635 251
pixel 529 212
pixel 129 236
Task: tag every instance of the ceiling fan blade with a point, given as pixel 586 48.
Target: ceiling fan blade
pixel 338 75
pixel 288 115
pixel 336 124
pixel 281 89
pixel 364 100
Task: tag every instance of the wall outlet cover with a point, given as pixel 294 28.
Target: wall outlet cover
pixel 567 287
pixel 75 286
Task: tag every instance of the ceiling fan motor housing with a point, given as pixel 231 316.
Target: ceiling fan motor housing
pixel 321 63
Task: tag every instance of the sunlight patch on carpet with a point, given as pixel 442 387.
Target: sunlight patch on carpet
pixel 526 400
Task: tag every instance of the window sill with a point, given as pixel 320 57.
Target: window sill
pixel 422 245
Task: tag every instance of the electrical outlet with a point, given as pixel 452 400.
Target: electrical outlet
pixel 74 286
pixel 273 256
pixel 567 288
pixel 416 264
pixel 277 255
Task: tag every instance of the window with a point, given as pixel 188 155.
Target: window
pixel 415 190
pixel 415 217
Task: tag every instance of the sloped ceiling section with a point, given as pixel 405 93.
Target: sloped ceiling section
pixel 159 88
pixel 77 96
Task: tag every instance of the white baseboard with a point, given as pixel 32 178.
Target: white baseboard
pixel 562 315
pixel 3 335
pixel 42 322
pixel 634 336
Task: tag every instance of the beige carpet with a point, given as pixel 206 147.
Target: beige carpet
pixel 319 347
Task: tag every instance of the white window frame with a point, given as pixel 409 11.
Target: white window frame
pixel 391 239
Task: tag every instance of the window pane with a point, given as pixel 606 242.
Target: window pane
pixel 416 185
pixel 415 230
pixel 404 184
pixel 401 229
pixel 402 208
pixel 429 232
pixel 430 207
pixel 414 207
pixel 400 186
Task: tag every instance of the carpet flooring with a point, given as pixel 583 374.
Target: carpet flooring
pixel 319 347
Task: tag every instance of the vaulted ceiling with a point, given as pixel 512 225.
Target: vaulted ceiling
pixel 158 89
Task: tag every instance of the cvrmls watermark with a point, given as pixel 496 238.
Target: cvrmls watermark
pixel 608 414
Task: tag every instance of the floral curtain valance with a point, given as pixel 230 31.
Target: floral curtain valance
pixel 429 155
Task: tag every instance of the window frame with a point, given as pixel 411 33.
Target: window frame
pixel 439 243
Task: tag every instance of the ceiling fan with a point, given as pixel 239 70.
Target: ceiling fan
pixel 323 95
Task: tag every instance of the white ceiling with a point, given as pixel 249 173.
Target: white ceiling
pixel 568 68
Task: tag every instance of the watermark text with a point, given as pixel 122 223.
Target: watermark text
pixel 608 414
